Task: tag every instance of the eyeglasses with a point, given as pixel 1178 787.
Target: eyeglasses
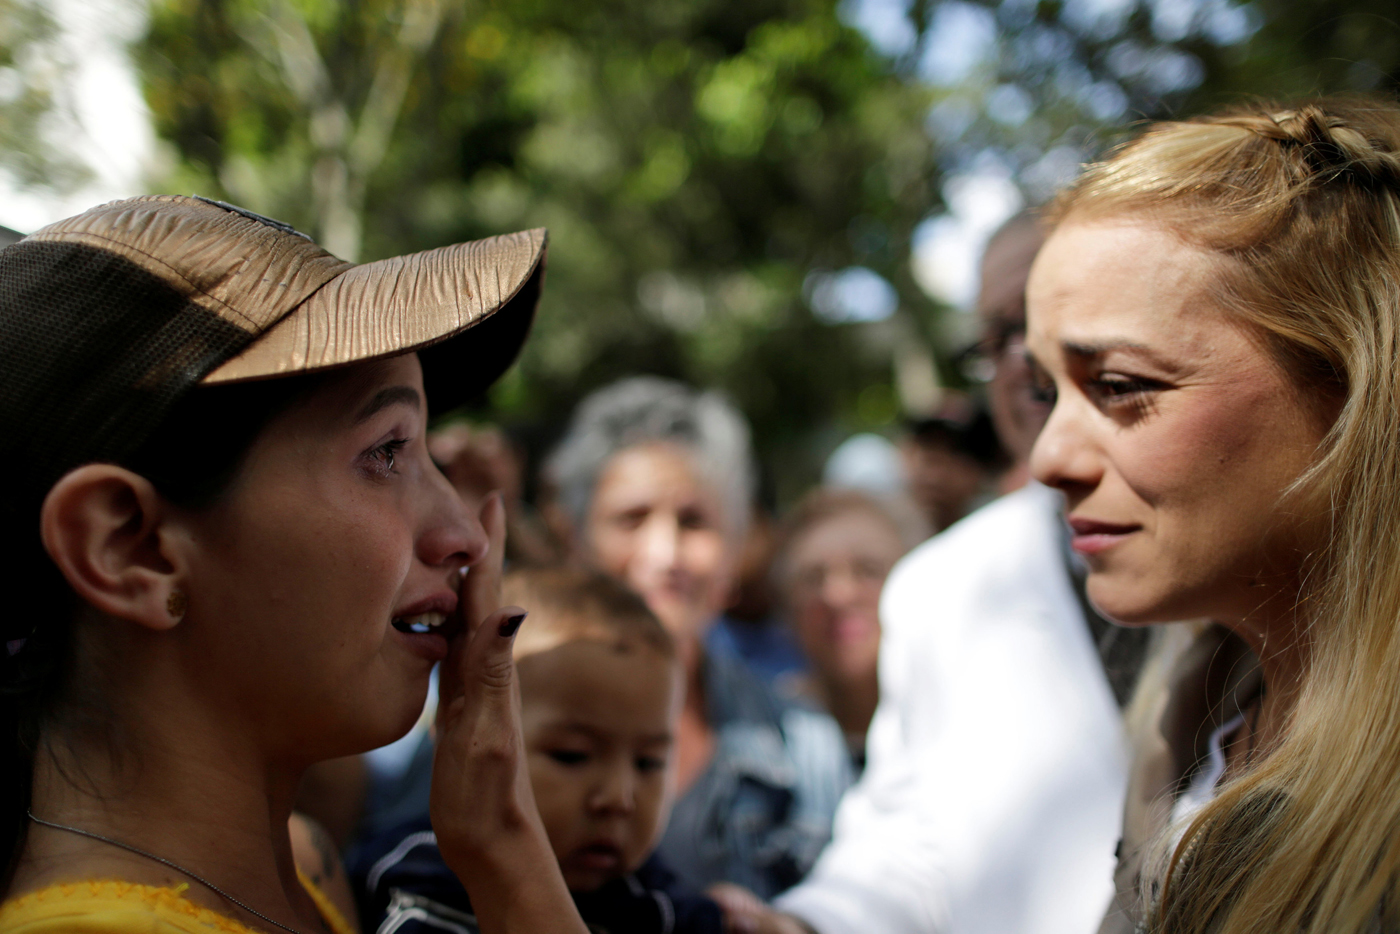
pixel 810 580
pixel 978 363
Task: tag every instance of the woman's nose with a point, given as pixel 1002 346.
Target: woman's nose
pixel 452 533
pixel 1064 456
pixel 839 587
pixel 660 541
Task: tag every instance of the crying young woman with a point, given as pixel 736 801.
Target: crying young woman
pixel 229 557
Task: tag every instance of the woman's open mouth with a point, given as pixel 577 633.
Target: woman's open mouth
pixel 428 634
pixel 420 623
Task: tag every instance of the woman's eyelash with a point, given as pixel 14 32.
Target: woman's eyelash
pixel 386 453
pixel 1120 386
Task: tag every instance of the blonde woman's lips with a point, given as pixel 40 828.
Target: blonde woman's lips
pixel 1093 536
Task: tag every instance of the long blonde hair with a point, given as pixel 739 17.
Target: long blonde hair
pixel 1306 198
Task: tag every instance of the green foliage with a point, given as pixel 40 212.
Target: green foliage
pixel 692 160
pixel 1307 47
pixel 1079 75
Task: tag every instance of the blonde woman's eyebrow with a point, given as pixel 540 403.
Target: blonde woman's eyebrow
pixel 1099 348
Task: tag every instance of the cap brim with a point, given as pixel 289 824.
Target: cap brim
pixel 409 303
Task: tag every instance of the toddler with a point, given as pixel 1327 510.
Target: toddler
pixel 600 692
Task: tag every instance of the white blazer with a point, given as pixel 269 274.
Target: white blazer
pixel 992 797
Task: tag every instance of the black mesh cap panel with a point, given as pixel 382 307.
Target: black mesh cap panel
pixel 93 352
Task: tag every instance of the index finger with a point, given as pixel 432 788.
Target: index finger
pixel 478 596
pixel 481 590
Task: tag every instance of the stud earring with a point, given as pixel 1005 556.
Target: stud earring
pixel 176 604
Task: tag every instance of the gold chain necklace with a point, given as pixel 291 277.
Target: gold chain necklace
pixel 164 862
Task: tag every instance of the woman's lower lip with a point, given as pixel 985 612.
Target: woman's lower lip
pixel 1097 542
pixel 430 645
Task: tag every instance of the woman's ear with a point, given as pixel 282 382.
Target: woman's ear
pixel 104 527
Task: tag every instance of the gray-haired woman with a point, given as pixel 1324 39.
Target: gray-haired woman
pixel 656 479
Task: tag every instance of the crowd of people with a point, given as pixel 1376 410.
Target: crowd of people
pixel 1120 653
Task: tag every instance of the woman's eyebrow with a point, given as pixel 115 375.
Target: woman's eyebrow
pixel 392 395
pixel 1098 348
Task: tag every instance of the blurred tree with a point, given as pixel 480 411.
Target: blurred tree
pixel 694 160
pixel 1026 90
pixel 32 83
pixel 732 188
pixel 1036 86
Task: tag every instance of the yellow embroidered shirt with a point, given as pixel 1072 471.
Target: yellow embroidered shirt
pixel 110 907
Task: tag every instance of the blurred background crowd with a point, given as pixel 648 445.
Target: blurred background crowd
pixel 757 378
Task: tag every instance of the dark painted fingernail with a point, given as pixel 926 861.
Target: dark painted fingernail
pixel 511 624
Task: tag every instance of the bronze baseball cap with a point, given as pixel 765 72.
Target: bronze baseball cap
pixel 109 317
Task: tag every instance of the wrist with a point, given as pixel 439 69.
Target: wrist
pixel 515 885
pixel 510 856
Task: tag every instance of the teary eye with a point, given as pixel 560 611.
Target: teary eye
pixel 386 453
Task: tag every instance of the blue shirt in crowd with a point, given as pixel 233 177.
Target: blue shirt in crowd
pixel 762 810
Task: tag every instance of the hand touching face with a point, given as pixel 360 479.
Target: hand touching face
pixel 319 583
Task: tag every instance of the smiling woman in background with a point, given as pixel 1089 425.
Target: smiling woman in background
pixel 835 550
pixel 1217 313
pixel 657 482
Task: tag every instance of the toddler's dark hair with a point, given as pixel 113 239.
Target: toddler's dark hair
pixel 570 603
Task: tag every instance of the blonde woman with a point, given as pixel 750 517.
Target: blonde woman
pixel 1217 314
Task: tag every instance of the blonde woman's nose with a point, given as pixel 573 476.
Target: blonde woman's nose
pixel 1064 456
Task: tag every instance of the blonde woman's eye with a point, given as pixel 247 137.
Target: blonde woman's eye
pixel 1120 386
